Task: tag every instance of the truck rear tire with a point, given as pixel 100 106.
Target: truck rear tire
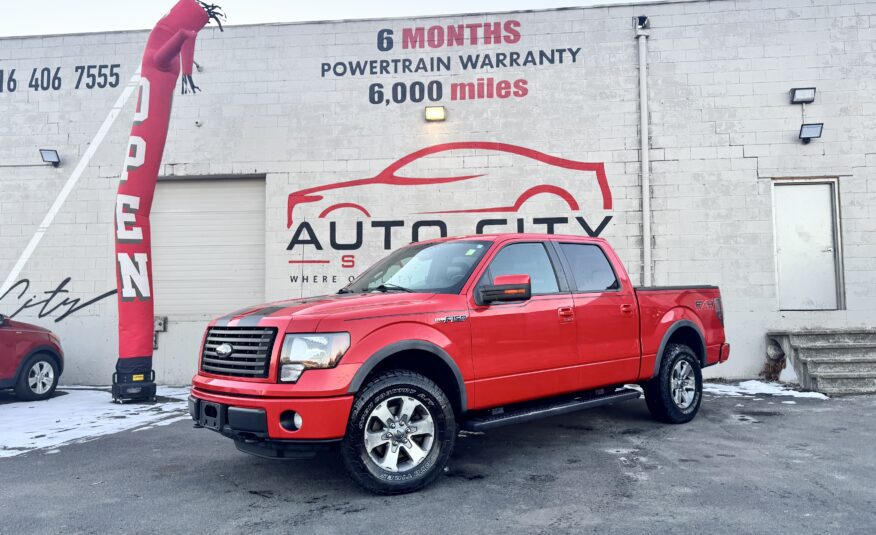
pixel 400 434
pixel 675 393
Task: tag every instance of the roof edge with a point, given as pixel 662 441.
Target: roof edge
pixel 406 17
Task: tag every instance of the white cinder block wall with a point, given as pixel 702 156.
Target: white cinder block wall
pixel 721 131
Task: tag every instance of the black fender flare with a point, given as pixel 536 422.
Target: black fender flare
pixel 669 332
pixel 41 349
pixel 407 345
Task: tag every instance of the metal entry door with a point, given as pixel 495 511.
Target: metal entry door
pixel 806 250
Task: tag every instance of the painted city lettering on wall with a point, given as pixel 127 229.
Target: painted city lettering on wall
pixel 452 37
pixel 339 228
pixel 51 302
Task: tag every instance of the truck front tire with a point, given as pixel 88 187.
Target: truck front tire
pixel 675 393
pixel 400 434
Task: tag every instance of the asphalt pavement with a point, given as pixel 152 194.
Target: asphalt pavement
pixel 744 465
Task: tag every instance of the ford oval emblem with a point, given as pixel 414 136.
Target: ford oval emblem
pixel 224 350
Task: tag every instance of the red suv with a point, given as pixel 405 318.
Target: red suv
pixel 31 359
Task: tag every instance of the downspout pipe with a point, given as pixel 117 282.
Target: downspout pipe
pixel 642 25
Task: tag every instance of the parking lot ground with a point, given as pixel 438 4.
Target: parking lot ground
pixel 756 464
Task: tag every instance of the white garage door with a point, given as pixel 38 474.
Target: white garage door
pixel 208 247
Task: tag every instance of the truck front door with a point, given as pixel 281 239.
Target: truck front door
pixel 523 350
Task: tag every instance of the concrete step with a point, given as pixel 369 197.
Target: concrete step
pixel 833 361
pixel 841 365
pixel 845 391
pixel 832 337
pixel 836 351
pixel 864 344
pixel 844 383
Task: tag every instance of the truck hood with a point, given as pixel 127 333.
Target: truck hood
pixel 357 304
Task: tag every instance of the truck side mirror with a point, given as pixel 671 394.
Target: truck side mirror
pixel 506 288
pixel 3 319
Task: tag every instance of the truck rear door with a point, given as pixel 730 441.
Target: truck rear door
pixel 606 313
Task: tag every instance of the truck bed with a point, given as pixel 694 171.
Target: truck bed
pixel 700 305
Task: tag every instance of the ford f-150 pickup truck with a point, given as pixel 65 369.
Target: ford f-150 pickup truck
pixel 459 333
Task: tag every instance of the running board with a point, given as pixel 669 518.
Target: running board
pixel 508 416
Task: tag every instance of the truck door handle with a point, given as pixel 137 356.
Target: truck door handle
pixel 626 309
pixel 566 313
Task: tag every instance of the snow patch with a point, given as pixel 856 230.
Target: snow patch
pixel 757 388
pixel 80 415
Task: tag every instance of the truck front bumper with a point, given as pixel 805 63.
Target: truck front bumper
pixel 268 427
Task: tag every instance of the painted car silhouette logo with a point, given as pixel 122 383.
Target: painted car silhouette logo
pixel 391 176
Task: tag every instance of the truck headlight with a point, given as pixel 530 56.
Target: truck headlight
pixel 311 351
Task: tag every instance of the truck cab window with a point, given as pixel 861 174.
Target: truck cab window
pixel 524 259
pixel 590 267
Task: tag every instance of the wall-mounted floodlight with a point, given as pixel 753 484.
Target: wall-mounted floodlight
pixel 802 95
pixel 810 131
pixel 435 113
pixel 50 156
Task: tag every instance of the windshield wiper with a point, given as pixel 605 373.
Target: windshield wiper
pixel 345 291
pixel 385 287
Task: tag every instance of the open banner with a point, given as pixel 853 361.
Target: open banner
pixel 169 50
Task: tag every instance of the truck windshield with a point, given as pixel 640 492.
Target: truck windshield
pixel 441 267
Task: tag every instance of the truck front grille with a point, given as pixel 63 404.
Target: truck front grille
pixel 250 351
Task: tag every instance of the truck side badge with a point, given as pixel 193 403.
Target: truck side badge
pixel 451 319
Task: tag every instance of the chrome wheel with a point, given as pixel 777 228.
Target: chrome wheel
pixel 683 384
pixel 399 434
pixel 41 377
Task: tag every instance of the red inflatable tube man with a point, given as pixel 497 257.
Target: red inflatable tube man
pixel 170 48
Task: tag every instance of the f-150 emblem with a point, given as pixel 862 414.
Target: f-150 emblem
pixel 451 319
pixel 224 350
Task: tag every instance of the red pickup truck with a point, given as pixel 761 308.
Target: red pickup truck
pixel 460 333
